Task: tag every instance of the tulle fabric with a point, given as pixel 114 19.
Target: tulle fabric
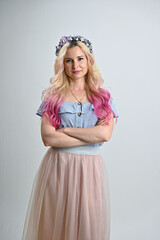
pixel 69 199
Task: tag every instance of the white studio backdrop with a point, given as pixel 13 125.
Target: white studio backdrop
pixel 125 37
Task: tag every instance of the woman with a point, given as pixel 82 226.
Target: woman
pixel 70 194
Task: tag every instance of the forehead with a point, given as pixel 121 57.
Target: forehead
pixel 74 52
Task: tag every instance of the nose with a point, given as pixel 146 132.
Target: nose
pixel 75 64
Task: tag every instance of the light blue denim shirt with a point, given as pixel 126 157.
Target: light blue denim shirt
pixel 74 115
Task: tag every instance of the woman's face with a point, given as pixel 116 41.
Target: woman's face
pixel 75 63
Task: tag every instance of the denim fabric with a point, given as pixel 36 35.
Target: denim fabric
pixel 74 115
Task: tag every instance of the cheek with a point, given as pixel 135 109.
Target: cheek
pixel 85 66
pixel 66 68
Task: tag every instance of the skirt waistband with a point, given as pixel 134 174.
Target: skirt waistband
pixel 80 150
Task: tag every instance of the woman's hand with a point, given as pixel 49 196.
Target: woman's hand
pixel 101 122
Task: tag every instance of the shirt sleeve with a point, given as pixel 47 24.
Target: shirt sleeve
pixel 39 110
pixel 111 103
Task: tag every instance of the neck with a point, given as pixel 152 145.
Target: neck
pixel 77 85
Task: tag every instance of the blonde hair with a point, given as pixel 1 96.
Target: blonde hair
pixel 60 83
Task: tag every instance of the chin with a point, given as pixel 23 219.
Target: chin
pixel 77 76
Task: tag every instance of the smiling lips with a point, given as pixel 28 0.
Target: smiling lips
pixel 76 72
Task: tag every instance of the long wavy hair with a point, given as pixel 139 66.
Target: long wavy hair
pixel 55 94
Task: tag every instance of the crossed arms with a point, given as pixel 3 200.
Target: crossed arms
pixel 70 137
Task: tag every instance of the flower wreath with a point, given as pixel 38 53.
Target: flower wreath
pixel 66 39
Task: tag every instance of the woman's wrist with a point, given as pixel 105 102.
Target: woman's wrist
pixel 66 130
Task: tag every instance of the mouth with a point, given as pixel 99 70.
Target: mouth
pixel 76 72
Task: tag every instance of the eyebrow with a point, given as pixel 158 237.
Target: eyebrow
pixel 77 57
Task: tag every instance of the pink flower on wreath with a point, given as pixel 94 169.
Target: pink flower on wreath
pixel 63 40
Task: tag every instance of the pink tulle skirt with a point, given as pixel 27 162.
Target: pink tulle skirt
pixel 69 198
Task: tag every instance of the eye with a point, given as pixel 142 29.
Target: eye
pixel 68 60
pixel 80 59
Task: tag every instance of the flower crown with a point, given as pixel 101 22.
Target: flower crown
pixel 66 39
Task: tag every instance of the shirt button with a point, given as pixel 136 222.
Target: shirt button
pixel 79 114
pixel 79 103
pixel 78 127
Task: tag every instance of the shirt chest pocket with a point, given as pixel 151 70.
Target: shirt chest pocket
pixel 90 118
pixel 67 116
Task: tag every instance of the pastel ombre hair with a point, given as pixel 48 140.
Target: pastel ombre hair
pixel 54 95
